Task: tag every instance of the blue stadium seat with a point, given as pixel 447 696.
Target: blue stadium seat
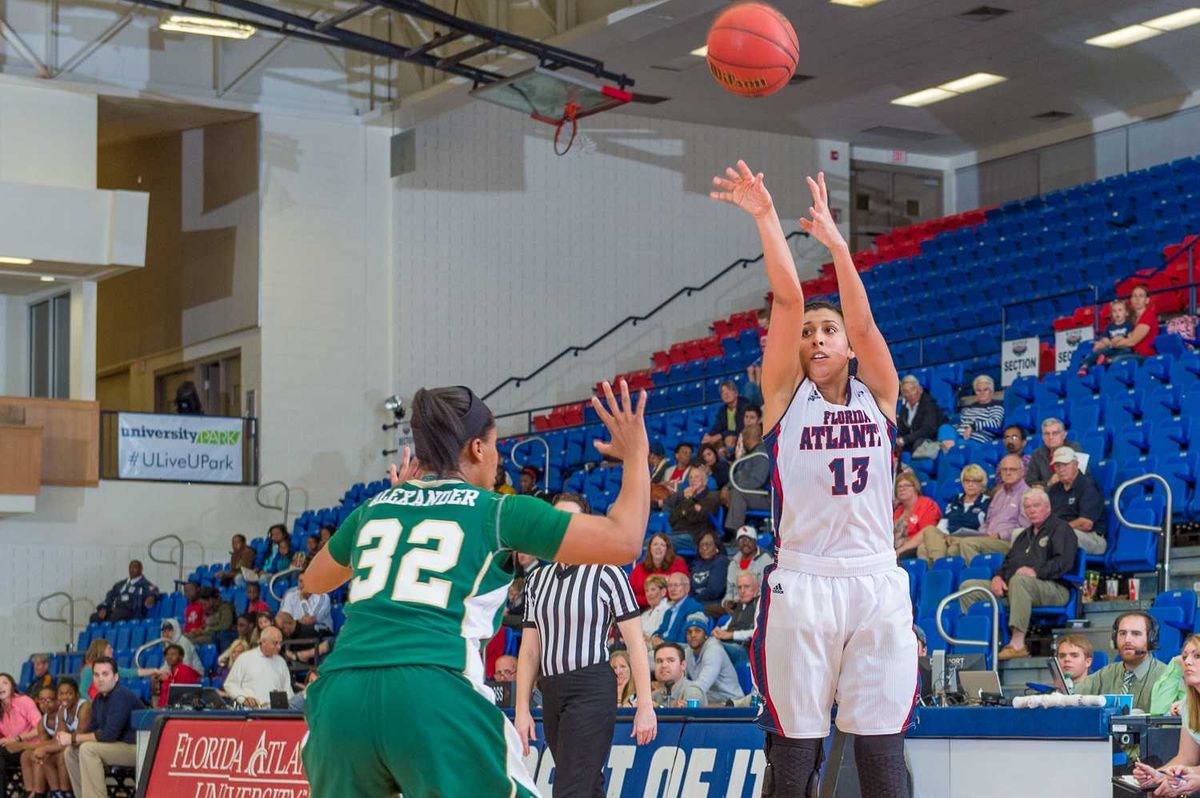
pixel 1099 660
pixel 121 635
pixel 933 640
pixel 952 563
pixel 974 572
pixel 1185 600
pixel 973 627
pixel 1170 634
pixel 1135 550
pixel 915 568
pixel 992 561
pixel 208 657
pixel 745 679
pixel 935 586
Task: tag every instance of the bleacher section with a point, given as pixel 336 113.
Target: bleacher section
pixel 940 292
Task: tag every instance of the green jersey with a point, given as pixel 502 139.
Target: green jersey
pixel 432 564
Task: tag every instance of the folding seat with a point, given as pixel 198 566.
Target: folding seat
pixel 974 627
pixel 1170 632
pixel 935 586
pixel 952 563
pixel 1135 550
pixel 1130 443
pixel 1185 600
pixel 974 572
pixel 1095 442
pixel 1023 390
pixel 915 568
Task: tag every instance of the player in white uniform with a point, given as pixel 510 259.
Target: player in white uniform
pixel 835 620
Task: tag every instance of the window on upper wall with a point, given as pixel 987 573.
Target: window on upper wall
pixel 50 347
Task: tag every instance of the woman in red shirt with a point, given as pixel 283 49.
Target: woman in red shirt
pixel 1145 326
pixel 913 512
pixel 660 559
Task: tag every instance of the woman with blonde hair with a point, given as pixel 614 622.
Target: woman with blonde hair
pixel 626 692
pixel 1181 775
pixel 912 513
pixel 963 518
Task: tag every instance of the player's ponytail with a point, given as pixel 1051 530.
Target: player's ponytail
pixel 445 420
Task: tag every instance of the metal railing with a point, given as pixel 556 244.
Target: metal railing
pixel 276 577
pixel 178 547
pixel 733 472
pixel 1162 568
pixel 512 455
pixel 286 507
pixel 149 644
pixel 995 641
pixel 633 320
pixel 69 620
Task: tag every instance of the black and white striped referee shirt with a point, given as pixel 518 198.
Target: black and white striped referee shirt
pixel 573 607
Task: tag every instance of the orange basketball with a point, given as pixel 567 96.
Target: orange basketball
pixel 752 50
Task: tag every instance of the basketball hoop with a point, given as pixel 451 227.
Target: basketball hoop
pixel 554 99
pixel 569 115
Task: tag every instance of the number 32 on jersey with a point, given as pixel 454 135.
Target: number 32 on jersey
pixel 409 585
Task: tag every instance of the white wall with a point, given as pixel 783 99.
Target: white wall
pixel 505 253
pixel 325 315
pixel 47 136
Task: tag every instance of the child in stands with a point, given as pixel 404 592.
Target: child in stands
pixel 1119 326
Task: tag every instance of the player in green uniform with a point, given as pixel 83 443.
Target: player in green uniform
pixel 401 704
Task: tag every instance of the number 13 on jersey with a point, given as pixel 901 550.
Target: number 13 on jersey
pixel 858 465
pixel 409 586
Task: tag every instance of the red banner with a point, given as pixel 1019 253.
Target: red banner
pixel 225 758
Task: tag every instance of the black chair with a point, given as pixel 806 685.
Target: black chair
pixel 122 781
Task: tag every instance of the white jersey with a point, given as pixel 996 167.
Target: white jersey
pixel 832 478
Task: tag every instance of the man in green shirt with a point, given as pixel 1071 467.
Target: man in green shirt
pixel 1137 670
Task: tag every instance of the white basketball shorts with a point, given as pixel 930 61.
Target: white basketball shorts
pixel 835 631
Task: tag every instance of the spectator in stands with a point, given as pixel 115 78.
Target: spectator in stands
pixel 1005 514
pixel 746 477
pixel 670 671
pixel 982 421
pixel 129 598
pixel 750 559
pixel 19 718
pixel 312 545
pixel 296 703
pixel 247 639
pixel 505 669
pixel 707 663
pixel 1137 670
pixel 674 622
pixel 742 619
pixel 626 690
pixel 1074 653
pixel 1014 442
pixel 718 468
pixel 327 531
pixel 1140 342
pixel 659 559
pixel 111 740
pixel 1033 570
pixel 73 714
pixel 241 559
pixel 311 609
pixel 690 509
pixel 964 516
pixel 280 559
pixel 1054 435
pixel 218 617
pixel 262 620
pixel 32 775
pixel 729 418
pixel 530 477
pixel 1181 774
pixel 275 533
pixel 172 635
pixel 254 601
pixel 1119 326
pixel 187 400
pixel 710 571
pixel 41 676
pixel 752 416
pixel 655 588
pixel 302 644
pixel 259 672
pixel 193 611
pixel 918 420
pixel 1077 500
pixel 660 468
pixel 677 476
pixel 501 484
pixel 912 513
pixel 173 671
pixel 922 641
pixel 752 387
pixel 1170 691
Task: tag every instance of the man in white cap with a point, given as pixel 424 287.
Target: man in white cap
pixel 1075 498
pixel 750 558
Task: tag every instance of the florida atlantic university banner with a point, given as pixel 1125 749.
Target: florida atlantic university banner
pixel 179 448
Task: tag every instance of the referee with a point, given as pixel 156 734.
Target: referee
pixel 568 613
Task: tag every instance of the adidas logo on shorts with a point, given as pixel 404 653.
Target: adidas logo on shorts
pixel 777 589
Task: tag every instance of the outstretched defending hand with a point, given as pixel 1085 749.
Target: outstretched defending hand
pixel 821 226
pixel 743 188
pixel 410 468
pixel 626 425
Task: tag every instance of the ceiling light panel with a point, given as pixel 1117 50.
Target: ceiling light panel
pixel 1181 19
pixel 979 80
pixel 206 26
pixel 701 51
pixel 856 3
pixel 16 261
pixel 925 97
pixel 1123 37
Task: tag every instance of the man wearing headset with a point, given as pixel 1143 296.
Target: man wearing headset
pixel 1135 636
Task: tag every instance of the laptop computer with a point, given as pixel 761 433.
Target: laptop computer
pixel 974 684
pixel 1056 676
